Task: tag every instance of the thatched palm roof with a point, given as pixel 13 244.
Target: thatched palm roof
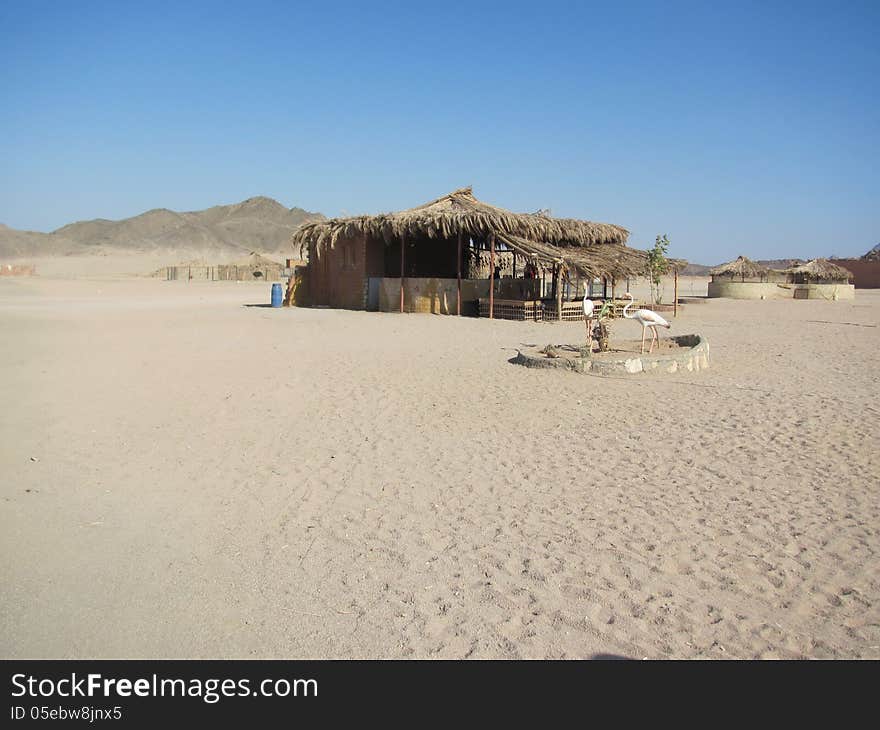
pixel 611 260
pixel 743 267
pixel 460 212
pixel 821 269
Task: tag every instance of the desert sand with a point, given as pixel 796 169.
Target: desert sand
pixel 185 475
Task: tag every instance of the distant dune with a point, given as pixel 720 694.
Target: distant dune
pixel 256 224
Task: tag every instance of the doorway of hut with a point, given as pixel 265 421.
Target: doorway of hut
pixel 373 284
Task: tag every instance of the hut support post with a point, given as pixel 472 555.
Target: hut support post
pixel 458 292
pixel 558 292
pixel 402 261
pixel 675 295
pixel 491 276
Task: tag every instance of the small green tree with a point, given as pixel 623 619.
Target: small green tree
pixel 657 266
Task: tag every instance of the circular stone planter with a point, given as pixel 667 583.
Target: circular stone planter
pixel 690 354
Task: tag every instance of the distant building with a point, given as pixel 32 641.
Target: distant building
pixel 254 267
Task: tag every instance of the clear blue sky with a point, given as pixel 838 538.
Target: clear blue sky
pixel 741 128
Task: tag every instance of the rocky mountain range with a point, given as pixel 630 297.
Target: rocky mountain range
pixel 256 224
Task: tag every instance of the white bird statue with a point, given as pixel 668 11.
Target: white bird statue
pixel 588 306
pixel 588 318
pixel 646 318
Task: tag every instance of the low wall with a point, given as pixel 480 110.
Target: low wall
pixel 748 290
pixel 829 292
pixel 769 290
pixel 431 295
pixel 692 358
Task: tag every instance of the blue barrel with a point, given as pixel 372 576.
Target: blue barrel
pixel 277 296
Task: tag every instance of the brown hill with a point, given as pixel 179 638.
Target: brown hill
pixel 777 264
pixel 21 244
pixel 780 264
pixel 257 224
pixel 695 270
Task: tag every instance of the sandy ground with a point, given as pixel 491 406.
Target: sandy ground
pixel 182 475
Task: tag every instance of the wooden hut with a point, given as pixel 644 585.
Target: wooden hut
pixel 818 271
pixel 253 267
pixel 820 279
pixel 745 279
pixel 743 269
pixel 421 259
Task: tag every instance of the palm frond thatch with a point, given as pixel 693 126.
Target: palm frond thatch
pixel 743 267
pixel 459 212
pixel 820 269
pixel 612 260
